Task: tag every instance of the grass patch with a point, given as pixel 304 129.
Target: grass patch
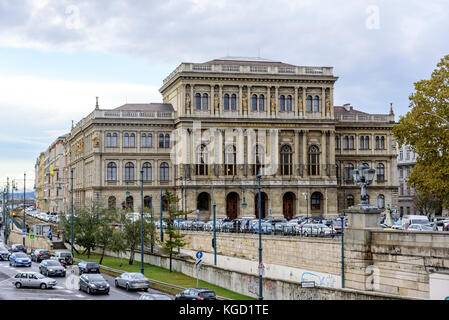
pixel 163 275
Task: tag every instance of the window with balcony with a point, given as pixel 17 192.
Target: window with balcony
pixel 314 161
pixel 380 172
pixel 234 102
pixel 309 104
pixel 129 171
pixel 201 161
pixel 348 172
pixel 226 102
pixel 230 160
pixel 111 171
pixel 164 171
pixel 147 174
pixel 254 102
pixel 286 160
pixel 261 102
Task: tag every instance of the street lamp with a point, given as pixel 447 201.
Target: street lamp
pixel 71 188
pixel 260 235
pixel 363 176
pixel 214 240
pixel 306 196
pixel 439 117
pixel 141 222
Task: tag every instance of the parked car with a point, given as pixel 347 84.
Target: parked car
pixel 32 279
pixel 414 219
pixel 18 248
pixel 266 227
pixel 63 257
pixel 132 280
pixel 4 254
pixel 419 227
pixel 154 296
pixel 19 259
pixel 316 229
pixel 196 294
pixel 93 283
pixel 88 267
pixel 228 226
pixel 186 225
pixel 279 226
pixel 198 225
pixel 52 268
pixel 177 222
pixel 40 254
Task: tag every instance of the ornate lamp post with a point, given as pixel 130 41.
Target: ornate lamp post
pixel 363 176
pixel 437 116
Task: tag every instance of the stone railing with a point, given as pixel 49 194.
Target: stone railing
pixel 364 117
pixel 258 69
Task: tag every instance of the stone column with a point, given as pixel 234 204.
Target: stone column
pixel 267 103
pixel 250 110
pixel 240 153
pixel 212 99
pixel 304 97
pixel 220 98
pixel 192 99
pixel 240 101
pixel 295 102
pixel 323 102
pixel 305 153
pixel 276 99
pixel 332 153
pixel 296 160
pixel 323 154
pixel 331 98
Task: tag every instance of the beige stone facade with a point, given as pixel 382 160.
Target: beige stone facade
pixel 219 123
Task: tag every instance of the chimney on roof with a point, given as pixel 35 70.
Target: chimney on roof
pixel 96 105
pixel 391 109
pixel 347 107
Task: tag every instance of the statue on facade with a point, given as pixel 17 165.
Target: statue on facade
pixel 273 103
pixel 328 106
pixel 96 140
pixel 187 101
pixel 245 102
pixel 300 105
pixel 216 102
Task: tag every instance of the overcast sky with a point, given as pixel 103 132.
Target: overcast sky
pixel 57 56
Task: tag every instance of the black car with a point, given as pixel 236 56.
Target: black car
pixel 18 248
pixel 40 254
pixel 4 254
pixel 64 257
pixel 51 268
pixel 93 283
pixel 196 294
pixel 88 267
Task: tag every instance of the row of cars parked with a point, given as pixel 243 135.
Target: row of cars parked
pixel 299 226
pixel 417 223
pixel 43 216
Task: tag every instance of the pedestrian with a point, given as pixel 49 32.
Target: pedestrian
pixel 50 235
pixel 435 225
pixel 59 233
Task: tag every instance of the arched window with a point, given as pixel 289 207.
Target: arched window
pixel 309 104
pixel 143 140
pixel 234 102
pixel 129 171
pixel 132 140
pixel 289 103
pixel 349 200
pixel 377 143
pixel 150 140
pixel 286 160
pixel 112 171
pixel 346 143
pixel 259 159
pixel 380 172
pixel 381 201
pixel 147 174
pixel 230 160
pixel 226 102
pixel 108 140
pixel 315 201
pixel 367 142
pixel 164 171
pixel 111 202
pixel 314 161
pixel 282 103
pixel 147 202
pixel 205 105
pixel 337 142
pixel 362 143
pixel 129 204
pixel 261 103
pixel 348 172
pixel 201 161
pixel 126 140
pixel 161 140
pixel 114 139
pixel 254 102
pixel 167 140
pixel 382 143
pixel 351 142
pixel 316 104
pixel 202 202
pixel 198 101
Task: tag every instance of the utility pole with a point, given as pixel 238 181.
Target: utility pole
pixel 24 198
pixel 160 221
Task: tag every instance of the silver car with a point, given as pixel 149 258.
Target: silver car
pixel 132 280
pixel 33 280
pixel 316 229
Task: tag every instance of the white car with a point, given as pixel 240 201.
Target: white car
pixel 32 279
pixel 420 227
pixel 315 229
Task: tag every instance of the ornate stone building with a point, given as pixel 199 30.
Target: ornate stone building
pixel 220 123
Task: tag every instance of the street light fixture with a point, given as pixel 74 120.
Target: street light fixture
pixel 363 176
pixel 439 117
pixel 141 223
pixel 260 235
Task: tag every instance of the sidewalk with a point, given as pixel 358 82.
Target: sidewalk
pixel 272 271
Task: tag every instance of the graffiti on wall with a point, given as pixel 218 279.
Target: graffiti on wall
pixel 326 280
pixel 268 287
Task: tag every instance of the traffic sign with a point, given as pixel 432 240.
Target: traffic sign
pixel 32 236
pixel 199 255
pixel 261 268
pixel 198 262
pixel 24 230
pixel 308 284
pixel 9 221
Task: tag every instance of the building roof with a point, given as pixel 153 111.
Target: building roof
pixel 164 107
pixel 247 61
pixel 347 109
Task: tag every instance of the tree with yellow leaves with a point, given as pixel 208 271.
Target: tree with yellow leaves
pixel 425 128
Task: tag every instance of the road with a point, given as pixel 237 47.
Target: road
pixel 65 289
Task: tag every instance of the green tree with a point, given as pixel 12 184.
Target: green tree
pixel 85 228
pixel 131 232
pixel 118 243
pixel 426 204
pixel 104 231
pixel 427 135
pixel 175 239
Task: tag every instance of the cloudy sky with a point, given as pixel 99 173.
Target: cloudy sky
pixel 56 56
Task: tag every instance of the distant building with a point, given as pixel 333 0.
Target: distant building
pixel 406 194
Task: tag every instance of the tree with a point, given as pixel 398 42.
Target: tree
pixel 118 244
pixel 104 231
pixel 175 239
pixel 85 228
pixel 426 204
pixel 427 135
pixel 131 232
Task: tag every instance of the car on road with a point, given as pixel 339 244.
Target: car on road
pixel 132 281
pixel 18 248
pixel 19 259
pixel 4 254
pixel 316 229
pixel 64 257
pixel 40 254
pixel 419 227
pixel 32 279
pixel 154 296
pixel 88 267
pixel 52 268
pixel 93 283
pixel 196 294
